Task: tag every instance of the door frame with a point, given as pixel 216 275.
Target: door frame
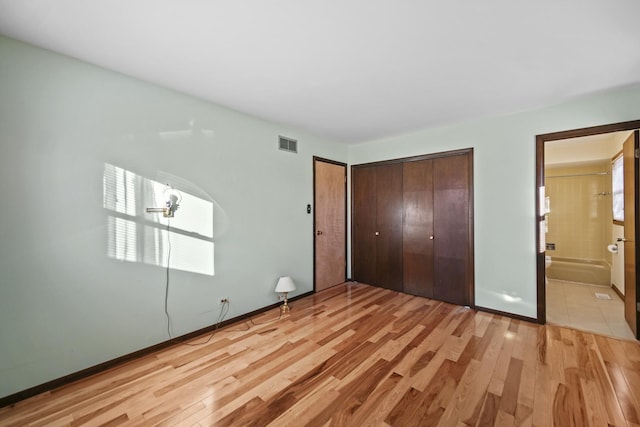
pixel 313 231
pixel 540 140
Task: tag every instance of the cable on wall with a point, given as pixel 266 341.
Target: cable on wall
pixel 223 313
pixel 166 288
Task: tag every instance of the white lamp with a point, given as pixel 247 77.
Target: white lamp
pixel 172 199
pixel 284 286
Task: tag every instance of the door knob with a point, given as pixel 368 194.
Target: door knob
pixel 318 233
pixel 377 233
pixel 430 237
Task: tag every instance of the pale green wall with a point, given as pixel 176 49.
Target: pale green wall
pixel 64 304
pixel 504 182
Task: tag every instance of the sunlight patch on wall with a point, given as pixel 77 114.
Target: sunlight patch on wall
pixel 185 242
pixel 122 239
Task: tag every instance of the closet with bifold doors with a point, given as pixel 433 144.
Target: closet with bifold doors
pixel 412 225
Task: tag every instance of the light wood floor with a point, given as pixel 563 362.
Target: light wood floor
pixel 356 355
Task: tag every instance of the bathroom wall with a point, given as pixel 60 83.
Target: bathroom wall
pixel 617 260
pixel 617 230
pixel 580 219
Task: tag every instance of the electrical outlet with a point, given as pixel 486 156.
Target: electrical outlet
pixel 224 301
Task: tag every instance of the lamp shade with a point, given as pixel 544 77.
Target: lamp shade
pixel 172 195
pixel 285 284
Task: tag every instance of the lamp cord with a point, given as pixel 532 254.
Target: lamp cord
pixel 166 288
pixel 223 312
pixel 221 316
pixel 266 321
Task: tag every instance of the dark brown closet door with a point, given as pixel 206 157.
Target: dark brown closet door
pixel 377 225
pixel 389 226
pixel 452 229
pixel 364 225
pixel 417 242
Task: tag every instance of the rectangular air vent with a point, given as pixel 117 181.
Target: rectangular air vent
pixel 288 144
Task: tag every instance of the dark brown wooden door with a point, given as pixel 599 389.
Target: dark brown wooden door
pixel 330 220
pixel 437 251
pixel 631 231
pixel 377 225
pixel 363 181
pixel 389 226
pixel 417 241
pixel 452 229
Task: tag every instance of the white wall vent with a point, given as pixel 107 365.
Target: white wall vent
pixel 288 144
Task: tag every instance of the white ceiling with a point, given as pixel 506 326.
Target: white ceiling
pixel 352 70
pixel 585 149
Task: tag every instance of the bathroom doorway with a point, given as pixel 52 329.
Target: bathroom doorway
pixel 580 247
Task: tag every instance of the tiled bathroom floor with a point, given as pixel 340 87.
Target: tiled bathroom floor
pixel 575 305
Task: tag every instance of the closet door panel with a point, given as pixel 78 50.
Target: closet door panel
pixel 452 261
pixel 417 245
pixel 389 226
pixel 364 225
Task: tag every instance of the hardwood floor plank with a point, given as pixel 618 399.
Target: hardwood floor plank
pixel 503 419
pixel 556 354
pixel 523 416
pixel 595 407
pixel 466 318
pixel 509 397
pixel 356 355
pixel 374 409
pixel 117 421
pixel 545 383
pixel 183 414
pixel 496 386
pixel 526 392
pixel 489 411
pixel 243 415
pixel 65 421
pixel 622 391
pixel 585 363
pixel 311 406
pixel 633 379
pixel 606 390
pixel 355 393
